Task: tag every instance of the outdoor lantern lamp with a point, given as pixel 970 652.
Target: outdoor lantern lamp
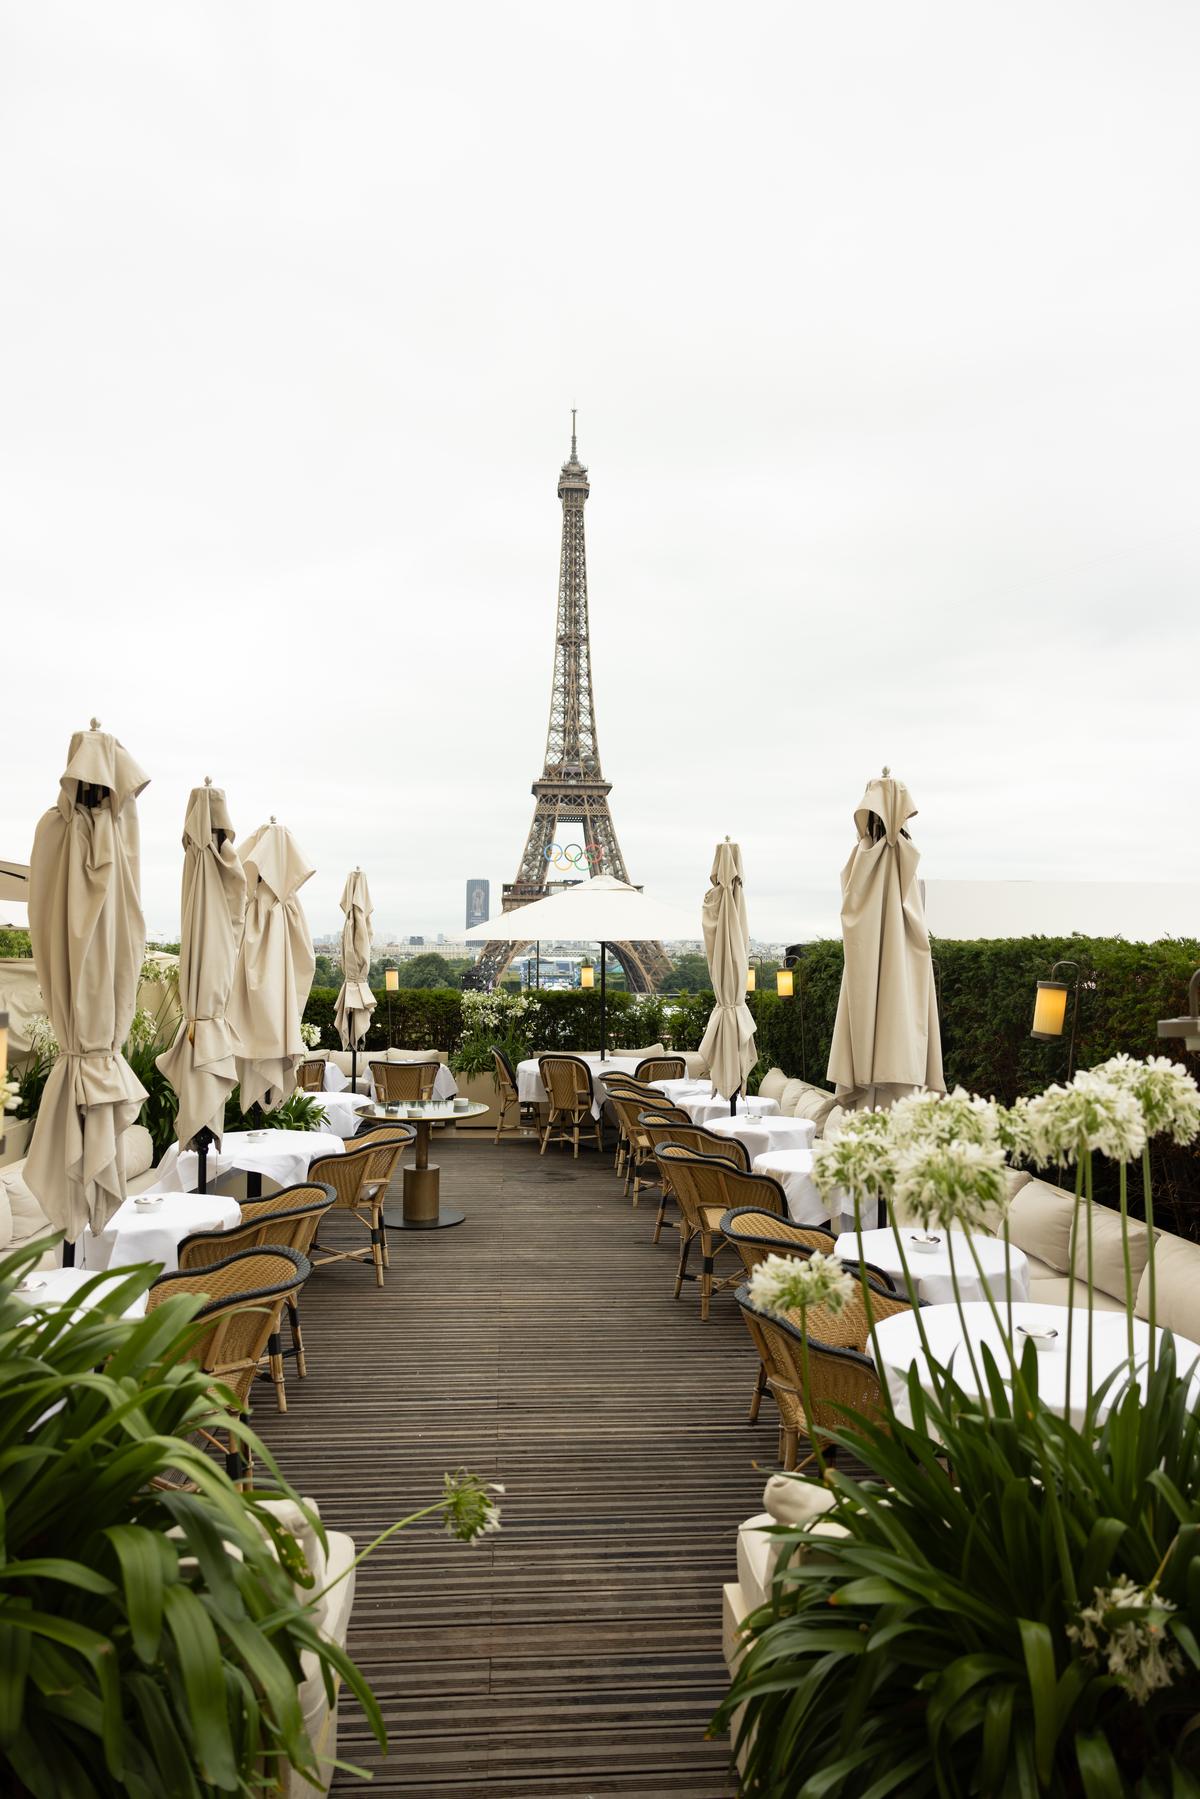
pixel 1187 1027
pixel 784 982
pixel 752 974
pixel 1050 1010
pixel 587 975
pixel 391 980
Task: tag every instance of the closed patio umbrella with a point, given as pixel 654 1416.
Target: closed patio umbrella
pixel 200 1063
pixel 355 1002
pixel 728 1046
pixel 88 936
pixel 274 968
pixel 886 1040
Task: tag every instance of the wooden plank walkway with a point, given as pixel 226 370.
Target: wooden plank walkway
pixel 577 1652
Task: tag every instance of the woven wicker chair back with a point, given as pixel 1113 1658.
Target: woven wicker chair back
pixel 697 1182
pixel 699 1142
pixel 664 1115
pixel 346 1174
pixel 246 1294
pixel 838 1374
pixel 660 1068
pixel 404 1083
pixel 279 1227
pixel 506 1074
pixel 756 1234
pixel 627 1108
pixel 385 1152
pixel 310 1076
pixel 568 1082
pixel 629 1088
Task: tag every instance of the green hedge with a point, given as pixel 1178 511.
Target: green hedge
pixel 432 1018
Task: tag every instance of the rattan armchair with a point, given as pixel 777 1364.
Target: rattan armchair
pixel 286 1220
pixel 839 1374
pixel 701 1185
pixel 660 1068
pixel 404 1083
pixel 639 1096
pixel 310 1076
pixel 510 1097
pixel 661 1124
pixel 572 1096
pixel 359 1179
pixel 246 1294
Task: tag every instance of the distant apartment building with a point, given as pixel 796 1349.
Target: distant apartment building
pixel 478 902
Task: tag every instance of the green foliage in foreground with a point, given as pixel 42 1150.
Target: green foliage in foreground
pixel 150 1641
pixel 927 1651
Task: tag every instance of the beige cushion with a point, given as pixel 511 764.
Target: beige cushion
pixel 835 1118
pixel 772 1084
pixel 139 1150
pixel 651 1049
pixel 1061 1290
pixel 1108 1262
pixel 791 1093
pixel 1176 1287
pixel 815 1103
pixel 25 1213
pixel 1039 1222
pixel 697 1067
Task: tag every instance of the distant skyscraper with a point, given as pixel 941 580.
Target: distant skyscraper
pixel 478 902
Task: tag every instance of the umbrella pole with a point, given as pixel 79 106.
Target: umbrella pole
pixel 202 1140
pixel 353 1063
pixel 603 1015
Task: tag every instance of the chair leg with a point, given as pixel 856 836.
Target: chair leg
pixel 760 1387
pixel 684 1251
pixel 377 1250
pixel 297 1338
pixel 545 1137
pixel 662 1214
pixel 787 1447
pixel 706 1274
pixel 275 1364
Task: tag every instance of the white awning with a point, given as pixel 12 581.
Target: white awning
pixel 601 910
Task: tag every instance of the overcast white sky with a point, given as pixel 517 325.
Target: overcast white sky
pixel 882 324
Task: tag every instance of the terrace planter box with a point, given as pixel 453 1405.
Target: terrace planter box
pixel 481 1090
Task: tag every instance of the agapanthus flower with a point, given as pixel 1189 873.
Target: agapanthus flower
pixel 1014 1130
pixel 11 1091
pixel 470 1512
pixel 958 1117
pixel 1126 1626
pixel 860 1161
pixel 951 1184
pixel 1093 1113
pixel 782 1284
pixel 1166 1092
pixel 310 1035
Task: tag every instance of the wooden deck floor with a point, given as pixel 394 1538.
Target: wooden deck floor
pixel 577 1653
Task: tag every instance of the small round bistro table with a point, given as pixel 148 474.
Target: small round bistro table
pixel 422 1210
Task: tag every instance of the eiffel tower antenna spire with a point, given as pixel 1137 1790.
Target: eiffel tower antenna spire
pixel 572 836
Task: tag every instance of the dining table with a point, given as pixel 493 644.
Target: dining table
pixel 763 1132
pixel 422 1209
pixel 61 1287
pixel 335 1082
pixel 343 1111
pixel 792 1168
pixel 704 1107
pixel 531 1090
pixel 949 1332
pixel 283 1156
pixel 150 1228
pixel 935 1266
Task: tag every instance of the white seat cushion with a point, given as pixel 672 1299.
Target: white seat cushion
pixel 1176 1284
pixel 1039 1222
pixel 772 1084
pixel 1061 1290
pixel 1108 1260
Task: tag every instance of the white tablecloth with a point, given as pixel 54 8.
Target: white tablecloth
pixel 703 1108
pixel 763 1134
pixel 283 1155
pixel 900 1349
pixel 533 1093
pixel 792 1168
pixel 334 1080
pixel 931 1270
pixel 444 1086
pixel 63 1284
pixel 135 1236
pixel 682 1088
pixel 343 1111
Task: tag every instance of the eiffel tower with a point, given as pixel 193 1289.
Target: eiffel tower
pixel 572 833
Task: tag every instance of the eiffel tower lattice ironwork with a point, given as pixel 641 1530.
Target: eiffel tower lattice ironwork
pixel 572 833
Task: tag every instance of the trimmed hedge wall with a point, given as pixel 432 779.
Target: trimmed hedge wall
pixel 432 1018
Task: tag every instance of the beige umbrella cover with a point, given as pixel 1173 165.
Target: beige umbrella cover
pixel 200 1064
pixel 886 1041
pixel 728 1048
pixel 274 968
pixel 88 937
pixel 355 1002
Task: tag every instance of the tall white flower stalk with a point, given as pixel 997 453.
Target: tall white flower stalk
pixel 781 1285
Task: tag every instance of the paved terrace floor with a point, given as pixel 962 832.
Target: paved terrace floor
pixel 577 1652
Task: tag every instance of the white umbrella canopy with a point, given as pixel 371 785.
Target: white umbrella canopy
pixel 14 882
pixel 274 969
pixel 200 1063
pixel 355 1001
pixel 602 910
pixel 88 937
pixel 728 1046
pixel 886 1040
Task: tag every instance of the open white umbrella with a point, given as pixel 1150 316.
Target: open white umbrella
pixel 88 937
pixel 602 910
pixel 355 1001
pixel 200 1063
pixel 274 969
pixel 728 1046
pixel 886 1041
pixel 14 882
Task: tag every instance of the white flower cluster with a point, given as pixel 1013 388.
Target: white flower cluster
pixel 43 1042
pixel 142 1029
pixel 470 1513
pixel 860 1161
pixel 493 1013
pixel 1166 1092
pixel 963 1184
pixel 1095 1113
pixel 11 1089
pixel 958 1117
pixel 938 1155
pixel 782 1284
pixel 310 1034
pixel 1126 1625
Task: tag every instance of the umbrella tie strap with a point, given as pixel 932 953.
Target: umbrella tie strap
pixel 203 1018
